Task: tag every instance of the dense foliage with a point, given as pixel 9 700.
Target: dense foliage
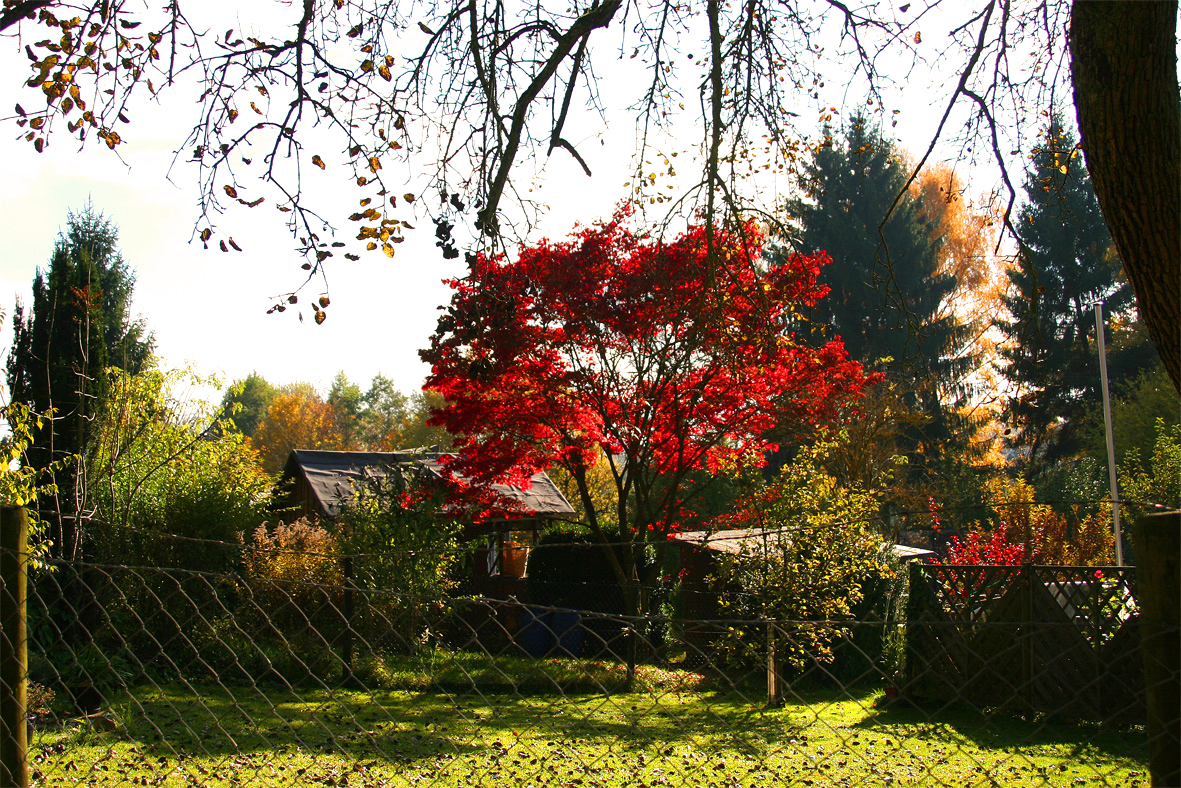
pixel 78 324
pixel 279 418
pixel 817 557
pixel 402 536
pixel 613 347
pixel 1153 484
pixel 1023 530
pixel 1067 262
pixel 891 290
pixel 165 470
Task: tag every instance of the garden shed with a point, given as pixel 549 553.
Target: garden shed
pixel 319 483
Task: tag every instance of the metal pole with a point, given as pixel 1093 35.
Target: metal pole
pixel 1119 541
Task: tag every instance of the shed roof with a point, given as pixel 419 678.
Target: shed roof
pixel 743 540
pixel 330 475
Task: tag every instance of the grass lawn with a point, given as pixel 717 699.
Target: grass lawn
pixel 474 730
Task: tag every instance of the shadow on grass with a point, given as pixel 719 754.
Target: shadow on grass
pixel 989 730
pixel 456 708
pixel 403 727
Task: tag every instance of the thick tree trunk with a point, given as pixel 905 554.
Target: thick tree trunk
pixel 1124 64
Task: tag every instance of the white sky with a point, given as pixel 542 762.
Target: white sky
pixel 208 308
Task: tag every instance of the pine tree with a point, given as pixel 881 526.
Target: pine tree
pixel 1067 262
pixel 79 323
pixel 889 298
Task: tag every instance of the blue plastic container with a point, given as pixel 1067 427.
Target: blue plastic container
pixel 535 636
pixel 569 636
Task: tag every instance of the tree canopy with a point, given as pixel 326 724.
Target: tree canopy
pixel 1067 262
pixel 79 323
pixel 466 90
pixel 614 347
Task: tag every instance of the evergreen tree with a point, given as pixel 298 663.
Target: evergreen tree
pixel 78 325
pixel 889 299
pixel 1067 262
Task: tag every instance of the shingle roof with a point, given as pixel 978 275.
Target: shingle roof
pixel 331 475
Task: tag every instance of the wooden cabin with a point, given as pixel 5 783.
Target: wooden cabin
pixel 319 484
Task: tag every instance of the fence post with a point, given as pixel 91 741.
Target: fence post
pixel 914 611
pixel 774 692
pixel 347 678
pixel 1157 538
pixel 14 564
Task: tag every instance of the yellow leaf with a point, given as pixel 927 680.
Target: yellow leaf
pixel 374 164
pixel 318 161
pixel 367 66
pixel 1062 168
pixel 389 250
pixel 918 37
pixel 231 191
pixel 384 71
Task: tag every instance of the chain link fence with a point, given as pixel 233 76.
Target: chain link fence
pixel 298 668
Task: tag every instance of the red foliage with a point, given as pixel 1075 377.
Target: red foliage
pixel 993 549
pixel 615 342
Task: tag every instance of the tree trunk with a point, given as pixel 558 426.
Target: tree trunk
pixel 1124 66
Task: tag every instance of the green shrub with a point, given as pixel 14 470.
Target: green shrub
pixel 813 568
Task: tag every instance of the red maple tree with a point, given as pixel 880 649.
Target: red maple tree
pixel 657 358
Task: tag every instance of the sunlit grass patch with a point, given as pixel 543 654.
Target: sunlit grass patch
pixel 669 733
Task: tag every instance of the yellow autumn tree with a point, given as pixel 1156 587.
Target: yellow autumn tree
pixel 966 229
pixel 298 418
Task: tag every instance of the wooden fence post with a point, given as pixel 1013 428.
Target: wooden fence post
pixel 774 691
pixel 14 564
pixel 347 679
pixel 914 612
pixel 1157 538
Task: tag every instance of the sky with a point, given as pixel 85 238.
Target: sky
pixel 208 308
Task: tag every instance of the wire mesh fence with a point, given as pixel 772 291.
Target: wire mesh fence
pixel 299 668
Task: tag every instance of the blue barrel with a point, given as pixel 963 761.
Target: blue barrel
pixel 535 635
pixel 569 635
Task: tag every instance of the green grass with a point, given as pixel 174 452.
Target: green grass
pixel 671 731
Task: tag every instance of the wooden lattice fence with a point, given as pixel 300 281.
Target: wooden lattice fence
pixel 1026 639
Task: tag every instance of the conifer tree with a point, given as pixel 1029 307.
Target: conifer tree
pixel 889 297
pixel 1067 262
pixel 79 323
